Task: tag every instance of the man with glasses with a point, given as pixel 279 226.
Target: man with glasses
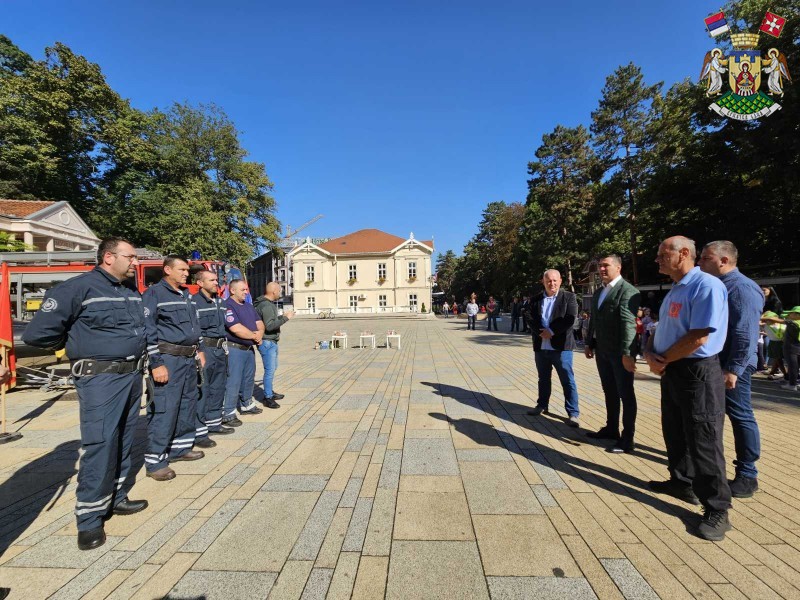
pixel 100 321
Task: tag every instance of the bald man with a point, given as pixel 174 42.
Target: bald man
pixel 268 311
pixel 551 318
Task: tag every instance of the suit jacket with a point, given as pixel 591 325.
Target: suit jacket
pixel 562 320
pixel 612 326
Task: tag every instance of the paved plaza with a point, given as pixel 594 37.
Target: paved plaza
pixel 410 473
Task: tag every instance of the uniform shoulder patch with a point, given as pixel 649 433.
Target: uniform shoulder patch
pixel 49 305
pixel 229 316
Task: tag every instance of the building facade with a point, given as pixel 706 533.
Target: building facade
pixel 368 271
pixel 44 225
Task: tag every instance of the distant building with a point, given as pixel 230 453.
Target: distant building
pixel 367 271
pixel 45 225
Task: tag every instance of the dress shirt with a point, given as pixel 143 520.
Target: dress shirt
pixel 606 289
pixel 547 310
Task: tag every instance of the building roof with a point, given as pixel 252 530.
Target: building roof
pixel 22 209
pixel 364 241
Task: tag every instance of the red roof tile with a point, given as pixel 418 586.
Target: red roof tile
pixel 22 208
pixel 365 240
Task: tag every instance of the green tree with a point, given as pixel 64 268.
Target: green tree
pixel 623 135
pixel 445 271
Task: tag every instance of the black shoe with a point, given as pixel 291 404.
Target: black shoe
pixel 205 442
pixel 743 487
pixel 252 409
pixel 4 592
pixel 604 434
pixel 270 403
pixel 91 539
pixel 222 430
pixel 622 448
pixel 277 396
pixel 129 507
pixel 676 489
pixel 538 410
pixel 713 525
pixel 232 422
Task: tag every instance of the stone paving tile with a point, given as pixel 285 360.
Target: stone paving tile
pixel 628 579
pixel 292 580
pixel 295 483
pixel 29 583
pixel 390 473
pixel 353 401
pixel 205 536
pixel 350 495
pixel 357 530
pixel 483 455
pixel 140 556
pixel 542 588
pixel 429 457
pixel 357 441
pixel 90 577
pixel 498 488
pixel 223 585
pixel 317 584
pixel 313 534
pixel 432 516
pixel 61 552
pixel 435 570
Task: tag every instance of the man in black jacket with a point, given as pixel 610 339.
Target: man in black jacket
pixel 551 317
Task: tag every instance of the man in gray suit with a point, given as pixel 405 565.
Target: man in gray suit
pixel 612 341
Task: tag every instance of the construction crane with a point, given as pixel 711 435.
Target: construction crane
pixel 290 233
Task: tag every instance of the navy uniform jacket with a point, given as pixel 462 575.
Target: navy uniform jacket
pixel 94 315
pixel 170 316
pixel 211 312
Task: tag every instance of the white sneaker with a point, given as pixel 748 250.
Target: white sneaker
pixel 788 386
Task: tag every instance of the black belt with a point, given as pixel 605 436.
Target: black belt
pixel 176 350
pixel 239 346
pixel 88 367
pixel 210 342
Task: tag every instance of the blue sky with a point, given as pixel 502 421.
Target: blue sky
pixel 402 116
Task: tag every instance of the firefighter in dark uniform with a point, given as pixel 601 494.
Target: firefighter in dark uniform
pixel 100 321
pixel 211 312
pixel 176 354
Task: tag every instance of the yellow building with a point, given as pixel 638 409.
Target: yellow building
pixel 369 271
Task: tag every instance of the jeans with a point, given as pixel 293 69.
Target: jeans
pixel 514 323
pixel 693 420
pixel 491 321
pixel 747 440
pixel 241 378
pixel 617 385
pixel 471 321
pixel 269 356
pixel 546 361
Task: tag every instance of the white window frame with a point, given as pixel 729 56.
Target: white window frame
pixel 412 301
pixel 309 272
pixel 382 303
pixel 412 269
pixel 381 271
pixel 352 270
pixel 353 302
pixel 311 304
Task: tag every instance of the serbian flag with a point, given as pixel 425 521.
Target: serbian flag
pixel 716 24
pixel 772 24
pixel 7 326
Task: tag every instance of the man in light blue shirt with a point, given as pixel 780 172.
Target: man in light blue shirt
pixel 693 322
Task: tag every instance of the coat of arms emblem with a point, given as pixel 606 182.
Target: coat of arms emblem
pixel 746 68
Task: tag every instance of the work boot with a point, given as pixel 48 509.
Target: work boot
pixel 605 433
pixel 204 442
pixel 223 430
pixel 162 474
pixel 190 455
pixel 91 539
pixel 676 489
pixel 129 507
pixel 743 487
pixel 713 525
pixel 539 409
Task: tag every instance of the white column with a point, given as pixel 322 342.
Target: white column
pixel 51 245
pixel 27 237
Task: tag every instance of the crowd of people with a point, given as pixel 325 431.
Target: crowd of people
pixel 197 355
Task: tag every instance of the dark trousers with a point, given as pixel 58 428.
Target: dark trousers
pixel 212 393
pixel 109 407
pixel 471 321
pixel 172 415
pixel 692 420
pixel 791 358
pixel 491 322
pixel 514 323
pixel 746 437
pixel 617 385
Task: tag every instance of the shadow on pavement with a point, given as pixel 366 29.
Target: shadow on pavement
pixel 34 489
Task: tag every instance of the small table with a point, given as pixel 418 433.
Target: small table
pixel 370 337
pixel 341 338
pixel 391 336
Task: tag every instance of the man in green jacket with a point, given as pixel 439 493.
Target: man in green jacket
pixel 268 348
pixel 612 341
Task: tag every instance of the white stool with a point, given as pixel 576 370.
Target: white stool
pixel 341 338
pixel 370 337
pixel 391 336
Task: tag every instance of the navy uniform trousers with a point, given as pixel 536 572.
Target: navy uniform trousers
pixel 173 413
pixel 212 394
pixel 109 409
